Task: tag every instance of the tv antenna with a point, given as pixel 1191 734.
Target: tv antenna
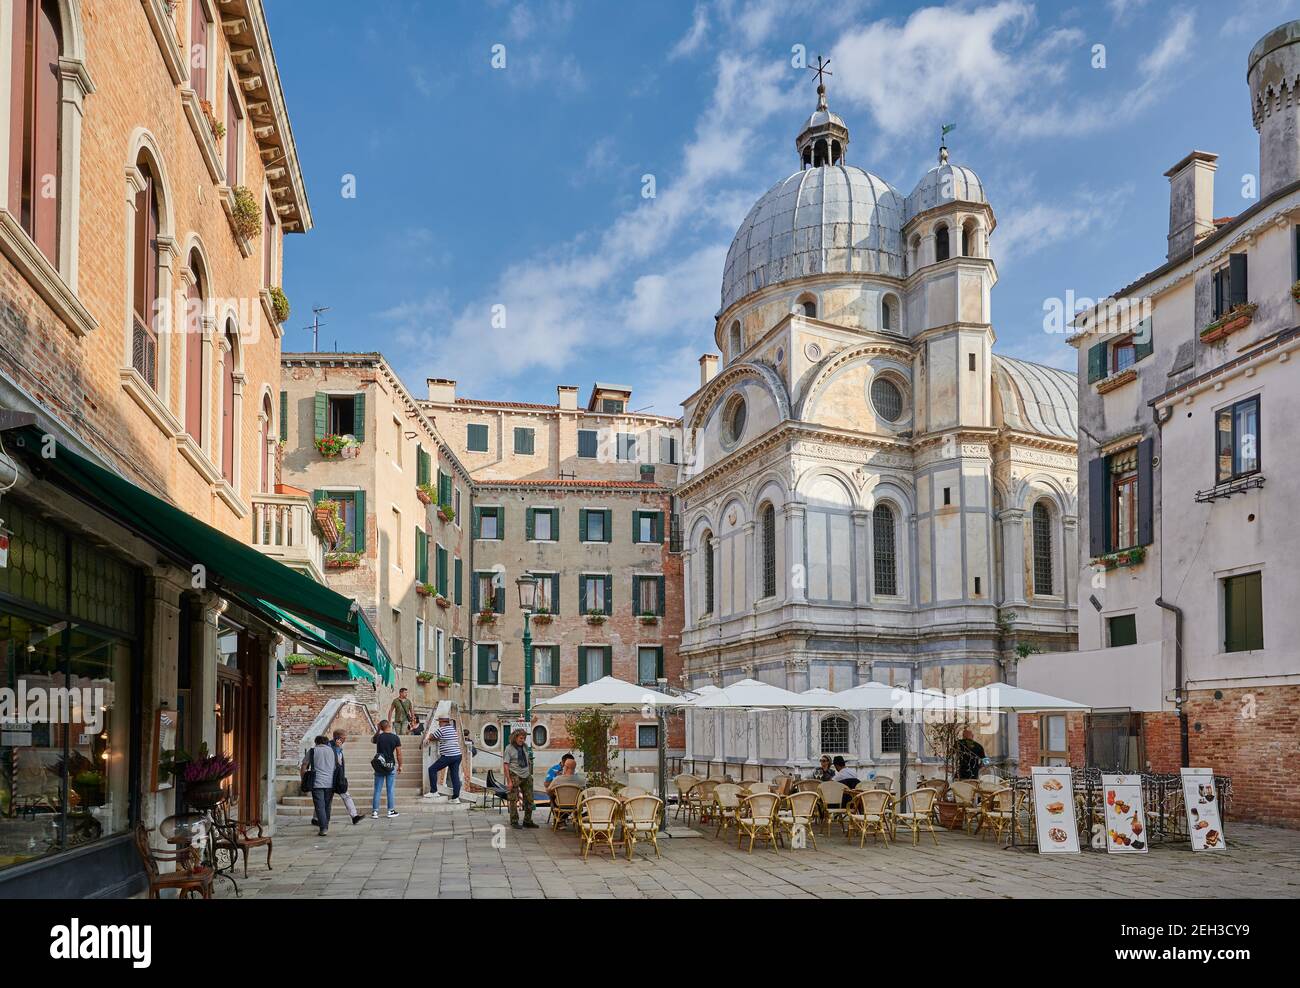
pixel 315 326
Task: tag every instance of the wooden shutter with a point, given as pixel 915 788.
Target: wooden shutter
pixel 1142 350
pixel 459 571
pixel 359 416
pixel 636 526
pixel 659 595
pixel 659 662
pixel 457 660
pixel 423 464
pixel 484 672
pixel 555 594
pixel 444 488
pixel 474 593
pixel 657 527
pixel 233 134
pixel 421 556
pixel 199 60
pixel 284 416
pixel 441 556
pixel 1098 506
pixel 1238 290
pixel 322 414
pixel 1096 362
pixel 607 668
pixel 500 598
pixel 478 514
pixel 609 593
pixel 529 526
pixel 359 540
pixel 582 524
pixel 1146 452
pixel 582 665
pixel 609 521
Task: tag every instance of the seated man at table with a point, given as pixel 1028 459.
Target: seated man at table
pixel 845 775
pixel 565 771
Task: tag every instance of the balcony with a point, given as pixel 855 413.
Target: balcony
pixel 283 529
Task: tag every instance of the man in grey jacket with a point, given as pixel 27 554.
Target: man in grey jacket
pixel 322 760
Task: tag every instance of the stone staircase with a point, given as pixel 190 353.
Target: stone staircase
pixel 356 755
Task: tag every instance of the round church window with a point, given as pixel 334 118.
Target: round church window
pixel 887 399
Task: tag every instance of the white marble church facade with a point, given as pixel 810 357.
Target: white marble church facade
pixel 872 493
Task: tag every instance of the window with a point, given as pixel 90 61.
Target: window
pixel 736 341
pixel 947 496
pixel 419 644
pixel 397 539
pixel 268 244
pixel 647 735
pixel 835 735
pixel 588 443
pixel 491 734
pixel 421 556
pixel 647 526
pixel 487 676
pixel 941 244
pixel 540 736
pixel 440 652
pixel 397 633
pixel 398 442
pixel 487 523
pixel 1123 500
pixel 887 315
pixel 626 446
pixel 594 662
pixel 1243 612
pixel 352 510
pixel 1053 743
pixel 1123 355
pixel 458 568
pixel 265 448
pixel 1237 440
pixel 440 570
pixel 458 660
pixel 546 667
pixel 767 521
pixel 967 232
pixel 476 438
pixel 891 736
pixel 524 441
pixel 456 497
pixel 594 525
pixel 648 594
pixel 234 135
pixel 706 549
pixel 543 524
pixel 886 399
pixel 809 308
pixel 595 594
pixel 970 361
pixel 1113 357
pixel 613 406
pixel 195 393
pixel 548 593
pixel 667 449
pixel 882 541
pixel 200 49
pixel 1042 524
pixel 144 337
pixel 649 665
pixel 35 182
pixel 1122 630
pixel 342 415
pixel 733 420
pixel 487 593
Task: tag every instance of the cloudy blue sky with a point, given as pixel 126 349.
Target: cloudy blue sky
pixel 522 186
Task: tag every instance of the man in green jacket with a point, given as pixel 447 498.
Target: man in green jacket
pixel 519 780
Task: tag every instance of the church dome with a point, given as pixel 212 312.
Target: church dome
pixel 832 219
pixel 944 183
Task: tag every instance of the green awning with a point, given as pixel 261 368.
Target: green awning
pixel 231 568
pixel 228 562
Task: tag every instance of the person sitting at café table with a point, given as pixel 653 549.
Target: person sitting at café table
pixel 565 771
pixel 823 771
pixel 845 775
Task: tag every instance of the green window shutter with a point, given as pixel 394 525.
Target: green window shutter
pixel 459 571
pixel 501 522
pixel 582 524
pixel 659 662
pixel 500 597
pixel 659 527
pixel 636 526
pixel 636 594
pixel 457 661
pixel 609 520
pixel 359 416
pixel 423 463
pixel 582 665
pixel 608 667
pixel 659 595
pixel 609 594
pixel 284 416
pixel 582 600
pixel 473 593
pixel 484 673
pixel 317 496
pixel 555 594
pixel 359 542
pixel 1096 362
pixel 478 513
pixel 322 411
pixel 442 570
pixel 1143 340
pixel 528 523
pixel 555 524
pixel 444 488
pixel 421 556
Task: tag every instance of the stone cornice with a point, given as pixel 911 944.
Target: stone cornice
pixel 834 361
pixel 709 395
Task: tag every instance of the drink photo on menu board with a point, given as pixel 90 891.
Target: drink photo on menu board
pixel 1058 833
pixel 1202 802
pixel 1126 822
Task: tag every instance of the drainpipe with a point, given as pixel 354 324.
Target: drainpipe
pixel 1180 694
pixel 469 665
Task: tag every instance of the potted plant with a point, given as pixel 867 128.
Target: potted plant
pixel 648 617
pixel 426 492
pixel 245 214
pixel 279 303
pixel 441 600
pixel 945 741
pixel 298 664
pixel 487 615
pixel 1295 291
pixel 1234 319
pixel 543 615
pixel 444 682
pixel 329 519
pixel 425 589
pixel 332 446
pixel 596 616
pixel 203 777
pixel 214 124
pixel 1124 557
pixel 424 678
pixel 446 512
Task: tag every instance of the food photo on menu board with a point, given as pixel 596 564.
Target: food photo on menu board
pixel 1202 802
pixel 1126 822
pixel 1054 810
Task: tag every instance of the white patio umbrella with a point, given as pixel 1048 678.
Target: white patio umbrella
pixel 875 696
pixel 612 694
pixel 750 694
pixel 1004 698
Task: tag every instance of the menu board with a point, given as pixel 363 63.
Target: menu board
pixel 1202 802
pixel 1058 832
pixel 1126 819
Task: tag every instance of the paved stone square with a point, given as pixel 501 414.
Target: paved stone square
pixel 447 852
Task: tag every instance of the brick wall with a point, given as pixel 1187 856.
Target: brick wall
pixel 300 699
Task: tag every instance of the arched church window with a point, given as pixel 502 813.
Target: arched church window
pixel 767 516
pixel 144 294
pixel 887 399
pixel 1042 522
pixel 891 736
pixel 835 735
pixel 706 546
pixel 969 240
pixel 807 306
pixel 836 152
pixel 733 420
pixel 887 314
pixel 736 340
pixel 883 555
pixel 941 243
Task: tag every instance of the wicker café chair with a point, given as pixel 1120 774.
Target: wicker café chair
pixel 726 804
pixel 832 794
pixel 597 821
pixel 966 795
pixel 998 812
pixel 920 815
pixel 641 821
pixel 808 785
pixel 798 812
pixel 869 814
pixel 701 797
pixel 758 819
pixel 629 792
pixel 884 782
pixel 684 782
pixel 564 803
pixel 938 785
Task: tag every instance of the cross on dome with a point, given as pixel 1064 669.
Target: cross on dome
pixel 824 137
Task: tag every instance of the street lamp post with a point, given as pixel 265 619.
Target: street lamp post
pixel 527 585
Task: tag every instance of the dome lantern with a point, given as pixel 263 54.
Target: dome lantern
pixel 824 137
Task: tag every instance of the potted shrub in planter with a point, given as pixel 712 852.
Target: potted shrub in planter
pixel 543 615
pixel 446 512
pixel 596 616
pixel 441 600
pixel 426 492
pixel 329 519
pixel 944 738
pixel 203 777
pixel 279 303
pixel 1125 557
pixel 425 589
pixel 424 678
pixel 648 618
pixel 444 682
pixel 214 123
pixel 487 615
pixel 1238 317
pixel 342 560
pixel 245 213
pixel 1295 291
pixel 298 664
pixel 333 446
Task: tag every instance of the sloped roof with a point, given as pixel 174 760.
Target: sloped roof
pixel 1036 398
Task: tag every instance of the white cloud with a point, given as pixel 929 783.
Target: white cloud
pixel 1121 10
pixel 1026 229
pixel 690 42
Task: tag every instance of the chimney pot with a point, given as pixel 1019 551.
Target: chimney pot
pixel 442 390
pixel 567 397
pixel 1191 201
pixel 708 368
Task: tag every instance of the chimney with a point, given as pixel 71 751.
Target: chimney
pixel 1271 72
pixel 708 368
pixel 1191 201
pixel 567 397
pixel 441 390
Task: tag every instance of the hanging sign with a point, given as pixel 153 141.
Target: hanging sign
pixel 1202 802
pixel 4 548
pixel 1058 832
pixel 1126 819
